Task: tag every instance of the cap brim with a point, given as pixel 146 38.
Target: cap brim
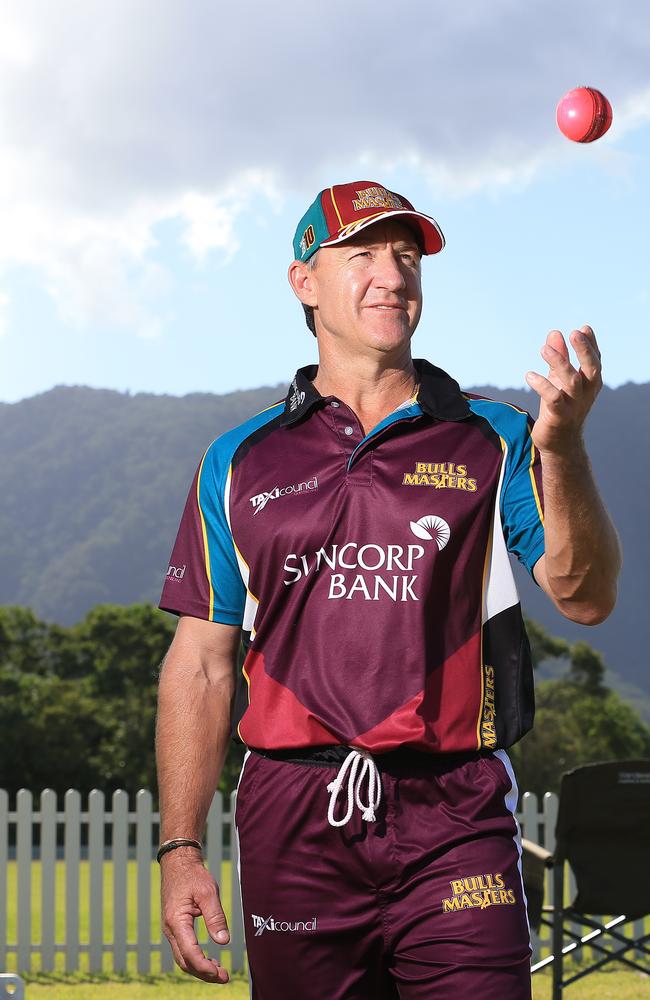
pixel 432 239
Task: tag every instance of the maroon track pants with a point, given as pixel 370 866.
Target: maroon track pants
pixel 426 902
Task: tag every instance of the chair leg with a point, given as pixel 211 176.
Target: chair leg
pixel 558 926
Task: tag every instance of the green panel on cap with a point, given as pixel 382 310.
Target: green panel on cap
pixel 311 232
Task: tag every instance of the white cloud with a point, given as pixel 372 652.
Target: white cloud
pixel 4 302
pixel 116 117
pixel 633 111
pixel 209 218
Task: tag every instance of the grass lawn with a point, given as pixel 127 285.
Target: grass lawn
pixel 170 987
pixel 601 986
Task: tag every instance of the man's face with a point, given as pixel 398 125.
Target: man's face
pixel 368 290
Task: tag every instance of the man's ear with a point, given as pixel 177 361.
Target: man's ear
pixel 301 279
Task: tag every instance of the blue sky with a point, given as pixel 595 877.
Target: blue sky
pixel 152 179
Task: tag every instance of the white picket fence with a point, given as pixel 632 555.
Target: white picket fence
pixel 134 836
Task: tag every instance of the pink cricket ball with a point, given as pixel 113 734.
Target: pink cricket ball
pixel 584 114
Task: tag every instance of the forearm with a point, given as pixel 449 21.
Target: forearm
pixel 192 737
pixel 582 557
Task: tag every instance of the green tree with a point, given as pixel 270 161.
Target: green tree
pixel 544 646
pixel 578 719
pixel 78 704
pixel 28 644
pixel 587 668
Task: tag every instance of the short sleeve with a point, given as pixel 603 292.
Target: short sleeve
pixel 522 501
pixel 203 578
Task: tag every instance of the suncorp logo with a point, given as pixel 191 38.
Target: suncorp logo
pixel 176 572
pixel 260 500
pixel 432 528
pixel 365 561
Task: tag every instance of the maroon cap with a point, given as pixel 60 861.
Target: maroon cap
pixel 341 211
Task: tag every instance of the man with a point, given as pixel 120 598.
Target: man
pixel 357 533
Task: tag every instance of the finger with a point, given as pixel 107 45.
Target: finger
pixel 219 974
pixel 562 375
pixel 556 340
pixel 587 353
pixel 178 958
pixel 214 917
pixel 197 963
pixel 545 389
pixel 591 336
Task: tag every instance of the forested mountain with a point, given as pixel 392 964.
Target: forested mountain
pixel 94 481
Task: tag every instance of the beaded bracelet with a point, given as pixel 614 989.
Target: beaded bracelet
pixel 171 845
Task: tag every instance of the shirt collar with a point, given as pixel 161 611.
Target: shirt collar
pixel 439 394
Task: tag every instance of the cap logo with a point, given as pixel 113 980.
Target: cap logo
pixel 375 197
pixel 308 239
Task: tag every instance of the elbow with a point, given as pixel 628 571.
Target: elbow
pixel 592 616
pixel 591 612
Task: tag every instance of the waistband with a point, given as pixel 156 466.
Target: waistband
pixel 334 756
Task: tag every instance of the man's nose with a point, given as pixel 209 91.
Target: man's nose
pixel 390 273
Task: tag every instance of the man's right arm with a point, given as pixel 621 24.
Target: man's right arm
pixel 193 726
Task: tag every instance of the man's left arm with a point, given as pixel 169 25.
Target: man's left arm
pixel 582 554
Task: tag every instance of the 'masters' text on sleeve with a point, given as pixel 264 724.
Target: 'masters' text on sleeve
pixel 203 578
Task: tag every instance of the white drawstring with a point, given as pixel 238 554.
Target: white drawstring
pixel 369 768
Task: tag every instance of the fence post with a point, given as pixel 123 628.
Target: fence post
pixel 550 803
pixel 96 878
pixel 550 816
pixel 4 867
pixel 120 854
pixel 214 857
pixel 530 830
pixel 143 819
pixel 24 819
pixel 48 878
pixel 529 817
pixel 72 851
pixel 167 963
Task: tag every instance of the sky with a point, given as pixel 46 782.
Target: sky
pixel 157 155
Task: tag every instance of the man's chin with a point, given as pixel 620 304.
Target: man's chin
pixel 389 336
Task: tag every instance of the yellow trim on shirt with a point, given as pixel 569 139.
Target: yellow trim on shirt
pixel 534 484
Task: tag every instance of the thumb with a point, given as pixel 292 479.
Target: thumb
pixel 215 920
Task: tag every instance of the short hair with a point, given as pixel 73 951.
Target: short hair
pixel 309 310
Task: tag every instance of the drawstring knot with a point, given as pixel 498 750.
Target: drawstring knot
pixel 356 761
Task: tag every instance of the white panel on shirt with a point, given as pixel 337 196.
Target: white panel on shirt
pixel 500 591
pixel 250 608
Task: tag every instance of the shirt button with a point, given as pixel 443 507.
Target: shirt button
pixel 334 403
pixel 349 430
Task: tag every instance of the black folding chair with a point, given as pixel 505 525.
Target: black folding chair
pixel 603 831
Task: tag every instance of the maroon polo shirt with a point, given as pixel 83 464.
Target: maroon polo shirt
pixel 369 573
